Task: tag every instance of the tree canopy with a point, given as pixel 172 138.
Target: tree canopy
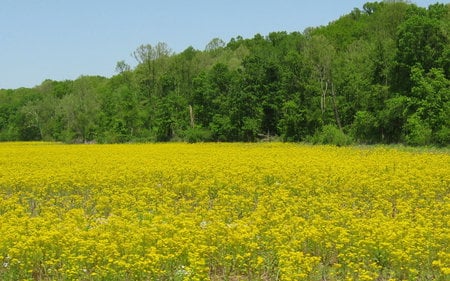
pixel 376 75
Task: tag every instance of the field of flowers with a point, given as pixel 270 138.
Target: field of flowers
pixel 223 212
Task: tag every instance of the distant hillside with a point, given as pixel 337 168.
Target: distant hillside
pixel 380 74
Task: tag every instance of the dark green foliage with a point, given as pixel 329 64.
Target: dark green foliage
pixel 417 132
pixel 365 127
pixel 330 134
pixel 421 41
pixel 380 73
pixel 293 122
pixel 197 134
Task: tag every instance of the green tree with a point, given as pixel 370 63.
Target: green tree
pixel 215 44
pixel 122 66
pixel 79 110
pixel 392 119
pixel 14 124
pixel 430 102
pixel 293 124
pixel 422 41
pixel 365 127
pixel 321 54
pixel 261 81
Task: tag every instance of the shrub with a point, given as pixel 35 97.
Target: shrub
pixel 197 134
pixel 365 127
pixel 442 137
pixel 330 134
pixel 417 132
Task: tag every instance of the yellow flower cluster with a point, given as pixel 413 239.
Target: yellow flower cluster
pixel 223 212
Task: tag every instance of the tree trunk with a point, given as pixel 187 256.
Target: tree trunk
pixel 191 115
pixel 323 97
pixel 336 112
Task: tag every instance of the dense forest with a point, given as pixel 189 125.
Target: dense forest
pixel 380 74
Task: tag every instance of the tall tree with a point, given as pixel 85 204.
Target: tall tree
pixel 80 108
pixel 321 54
pixel 421 41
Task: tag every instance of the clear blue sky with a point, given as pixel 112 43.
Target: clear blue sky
pixel 63 39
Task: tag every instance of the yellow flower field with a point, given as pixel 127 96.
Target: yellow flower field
pixel 223 212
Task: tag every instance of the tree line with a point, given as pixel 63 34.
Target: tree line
pixel 380 74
